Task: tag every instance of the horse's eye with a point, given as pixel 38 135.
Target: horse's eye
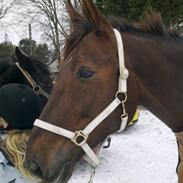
pixel 85 74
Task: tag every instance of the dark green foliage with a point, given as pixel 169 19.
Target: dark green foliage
pixel 24 45
pixel 39 51
pixel 171 10
pixel 6 51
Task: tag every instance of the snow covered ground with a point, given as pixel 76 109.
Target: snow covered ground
pixel 145 153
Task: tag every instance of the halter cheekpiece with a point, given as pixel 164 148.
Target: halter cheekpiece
pixel 80 137
pixel 36 88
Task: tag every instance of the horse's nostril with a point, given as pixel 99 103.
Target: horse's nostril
pixel 34 168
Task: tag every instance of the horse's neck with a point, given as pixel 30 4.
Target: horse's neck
pixel 158 66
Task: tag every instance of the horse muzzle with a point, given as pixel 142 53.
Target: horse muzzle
pixel 50 159
pixel 57 174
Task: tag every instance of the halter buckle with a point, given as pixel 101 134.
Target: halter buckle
pixel 123 116
pixel 79 138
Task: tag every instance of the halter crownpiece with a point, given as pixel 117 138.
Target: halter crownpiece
pixel 79 138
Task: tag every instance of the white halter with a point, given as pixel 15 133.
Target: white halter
pixel 80 137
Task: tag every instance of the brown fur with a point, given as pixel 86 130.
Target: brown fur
pixel 154 59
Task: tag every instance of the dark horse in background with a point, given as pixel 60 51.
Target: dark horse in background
pixel 19 104
pixel 88 81
pixel 9 72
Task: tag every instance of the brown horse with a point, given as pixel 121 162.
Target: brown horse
pixel 88 82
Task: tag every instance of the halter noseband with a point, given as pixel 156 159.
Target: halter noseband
pixel 79 138
pixel 36 88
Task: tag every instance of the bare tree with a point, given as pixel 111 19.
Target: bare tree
pixel 53 23
pixel 47 17
pixel 4 7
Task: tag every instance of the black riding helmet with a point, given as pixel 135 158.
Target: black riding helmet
pixel 19 106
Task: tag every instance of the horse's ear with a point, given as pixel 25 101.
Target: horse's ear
pixel 93 15
pixel 73 14
pixel 25 61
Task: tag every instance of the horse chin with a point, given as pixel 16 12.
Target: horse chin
pixel 63 175
pixel 67 170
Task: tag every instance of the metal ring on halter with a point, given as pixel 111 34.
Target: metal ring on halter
pixel 79 138
pixel 37 89
pixel 124 96
pixel 108 143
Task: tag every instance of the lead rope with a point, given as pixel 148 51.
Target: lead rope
pixel 36 88
pixel 93 168
pixel 92 173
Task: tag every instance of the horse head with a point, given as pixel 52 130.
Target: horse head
pixel 86 84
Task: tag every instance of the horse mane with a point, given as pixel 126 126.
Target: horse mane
pixel 82 28
pixel 152 24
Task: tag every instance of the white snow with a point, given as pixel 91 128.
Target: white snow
pixel 145 153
